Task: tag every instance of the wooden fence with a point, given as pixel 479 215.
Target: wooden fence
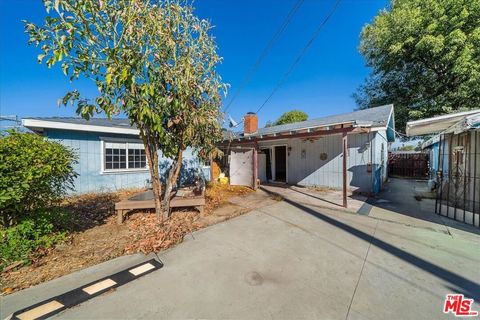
pixel 409 165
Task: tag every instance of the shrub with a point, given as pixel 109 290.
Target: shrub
pixel 42 230
pixel 34 173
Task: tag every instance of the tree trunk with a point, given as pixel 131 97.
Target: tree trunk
pixel 152 158
pixel 172 179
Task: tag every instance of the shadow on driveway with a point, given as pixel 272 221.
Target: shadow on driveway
pixel 399 196
pixel 458 283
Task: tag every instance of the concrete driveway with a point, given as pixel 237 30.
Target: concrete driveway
pixel 291 261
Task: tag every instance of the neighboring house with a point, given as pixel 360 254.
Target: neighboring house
pixel 312 152
pixel 110 153
pixel 455 162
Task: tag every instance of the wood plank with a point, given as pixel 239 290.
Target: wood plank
pixel 147 204
pixel 143 204
pixel 187 202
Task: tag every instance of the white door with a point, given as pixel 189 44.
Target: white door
pixel 241 167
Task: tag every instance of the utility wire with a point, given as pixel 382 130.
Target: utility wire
pixel 300 56
pixel 248 77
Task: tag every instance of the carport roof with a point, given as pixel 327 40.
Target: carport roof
pixel 437 124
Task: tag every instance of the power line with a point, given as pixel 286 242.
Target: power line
pixel 248 77
pixel 300 56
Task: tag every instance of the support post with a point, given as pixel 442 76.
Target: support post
pixel 474 176
pixel 439 175
pixel 344 171
pixel 255 168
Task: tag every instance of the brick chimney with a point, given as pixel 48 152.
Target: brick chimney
pixel 250 123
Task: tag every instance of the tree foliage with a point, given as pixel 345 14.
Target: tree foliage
pixel 34 174
pixel 153 61
pixel 425 56
pixel 291 117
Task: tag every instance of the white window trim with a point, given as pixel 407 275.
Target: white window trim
pixel 103 140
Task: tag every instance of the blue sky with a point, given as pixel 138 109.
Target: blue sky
pixel 321 85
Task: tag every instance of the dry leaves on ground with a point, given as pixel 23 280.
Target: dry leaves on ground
pixel 147 234
pixel 218 194
pixel 96 237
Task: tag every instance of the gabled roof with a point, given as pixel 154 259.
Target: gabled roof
pixel 378 117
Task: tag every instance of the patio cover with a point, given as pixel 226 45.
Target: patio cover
pixel 440 123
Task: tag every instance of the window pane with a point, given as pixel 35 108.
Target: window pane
pixel 116 156
pixel 136 158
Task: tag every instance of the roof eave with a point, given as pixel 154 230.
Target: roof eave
pixel 436 124
pixel 39 125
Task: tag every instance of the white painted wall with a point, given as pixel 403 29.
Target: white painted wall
pixel 311 170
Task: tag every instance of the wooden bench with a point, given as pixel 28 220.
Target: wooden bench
pixel 124 206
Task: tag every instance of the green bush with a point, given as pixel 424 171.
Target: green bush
pixel 35 173
pixel 42 230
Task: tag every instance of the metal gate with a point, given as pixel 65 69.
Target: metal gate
pixel 242 167
pixel 458 191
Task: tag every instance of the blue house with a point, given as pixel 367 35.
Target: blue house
pixel 454 162
pixel 110 153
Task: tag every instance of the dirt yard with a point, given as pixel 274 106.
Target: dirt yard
pixel 97 237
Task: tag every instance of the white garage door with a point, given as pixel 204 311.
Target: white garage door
pixel 241 167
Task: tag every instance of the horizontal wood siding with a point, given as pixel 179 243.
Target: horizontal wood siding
pixel 87 145
pixel 314 170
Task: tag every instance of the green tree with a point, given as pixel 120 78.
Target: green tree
pixel 291 117
pixel 152 60
pixel 34 174
pixel 425 58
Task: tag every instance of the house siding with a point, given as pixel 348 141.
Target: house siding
pixel 311 170
pixel 88 147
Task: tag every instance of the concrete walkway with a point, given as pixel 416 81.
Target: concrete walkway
pixel 292 261
pixel 398 203
pixel 322 198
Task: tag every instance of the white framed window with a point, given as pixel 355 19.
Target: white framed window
pixel 118 156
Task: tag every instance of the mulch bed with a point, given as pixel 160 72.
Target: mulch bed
pixel 96 237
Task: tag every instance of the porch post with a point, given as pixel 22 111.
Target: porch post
pixel 344 171
pixel 255 168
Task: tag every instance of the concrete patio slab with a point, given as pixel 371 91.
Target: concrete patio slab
pixel 323 198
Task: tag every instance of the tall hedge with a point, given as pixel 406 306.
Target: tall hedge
pixel 35 173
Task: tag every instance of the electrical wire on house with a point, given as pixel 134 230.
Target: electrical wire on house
pixel 299 57
pixel 281 29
